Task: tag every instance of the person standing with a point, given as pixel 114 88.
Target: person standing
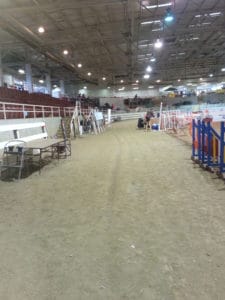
pixel 148 120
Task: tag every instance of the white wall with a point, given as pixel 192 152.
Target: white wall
pixel 100 91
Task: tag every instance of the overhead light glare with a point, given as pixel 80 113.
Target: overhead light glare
pixel 152 59
pixel 211 75
pixel 158 80
pixel 65 52
pixel 85 87
pixel 151 87
pixel 89 73
pixel 223 69
pixel 103 78
pixel 79 65
pixel 137 81
pixel 41 81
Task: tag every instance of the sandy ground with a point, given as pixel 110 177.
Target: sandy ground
pixel 128 216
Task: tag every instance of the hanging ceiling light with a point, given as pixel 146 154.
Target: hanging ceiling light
pixel 146 76
pixel 169 17
pixel 21 71
pixel 41 29
pixel 65 52
pixel 158 44
pixel 149 69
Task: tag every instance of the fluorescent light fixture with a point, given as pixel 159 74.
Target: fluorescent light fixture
pixel 159 5
pixel 41 81
pixel 85 87
pixel 211 75
pixel 223 69
pixel 150 22
pixel 121 89
pixel 55 86
pixel 121 81
pixel 157 29
pixel 149 69
pixel 198 16
pixel 189 83
pixel 103 78
pixel 215 14
pixel 158 44
pixel 158 80
pixel 152 59
pixel 136 88
pixel 89 73
pixel 79 65
pixel 41 29
pixel 151 87
pixel 146 76
pixel 21 71
pixel 178 80
pixel 181 53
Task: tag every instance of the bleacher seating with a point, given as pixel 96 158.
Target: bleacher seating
pixel 23 97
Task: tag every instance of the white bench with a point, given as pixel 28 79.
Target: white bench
pixel 16 128
pixel 30 146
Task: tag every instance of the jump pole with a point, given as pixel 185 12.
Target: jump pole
pixel 109 117
pixel 160 115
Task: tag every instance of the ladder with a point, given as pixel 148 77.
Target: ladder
pixel 75 120
pixel 66 149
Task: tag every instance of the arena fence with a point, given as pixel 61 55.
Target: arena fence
pixel 23 111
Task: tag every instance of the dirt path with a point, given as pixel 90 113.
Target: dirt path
pixel 127 217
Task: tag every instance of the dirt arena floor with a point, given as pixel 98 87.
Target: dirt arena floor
pixel 127 217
